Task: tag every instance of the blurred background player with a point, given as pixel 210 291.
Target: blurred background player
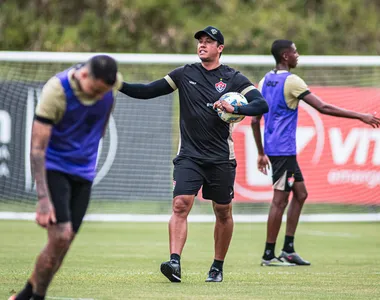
pixel 206 155
pixel 70 120
pixel 283 91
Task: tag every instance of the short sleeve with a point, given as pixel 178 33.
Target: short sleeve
pixel 53 101
pixel 242 84
pixel 174 77
pixel 296 86
pixel 118 84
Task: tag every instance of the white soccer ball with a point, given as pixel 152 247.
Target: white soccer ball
pixel 235 99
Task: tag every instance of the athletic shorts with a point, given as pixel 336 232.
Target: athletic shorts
pixel 70 196
pixel 285 171
pixel 217 179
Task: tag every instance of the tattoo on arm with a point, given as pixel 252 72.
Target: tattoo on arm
pixel 38 169
pixel 40 139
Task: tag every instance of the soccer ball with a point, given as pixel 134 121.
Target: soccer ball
pixel 235 99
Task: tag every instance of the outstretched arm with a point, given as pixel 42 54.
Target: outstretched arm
pixel 146 91
pixel 332 110
pixel 262 159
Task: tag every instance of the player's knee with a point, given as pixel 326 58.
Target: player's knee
pixel 223 213
pixel 62 236
pixel 181 206
pixel 301 197
pixel 223 216
pixel 280 203
pixel 62 242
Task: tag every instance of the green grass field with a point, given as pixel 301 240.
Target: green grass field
pixel 121 261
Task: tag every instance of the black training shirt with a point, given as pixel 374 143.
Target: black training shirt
pixel 203 135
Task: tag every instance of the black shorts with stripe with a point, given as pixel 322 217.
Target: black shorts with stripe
pixel 286 171
pixel 216 180
pixel 70 196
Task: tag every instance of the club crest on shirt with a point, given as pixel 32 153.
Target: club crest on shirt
pixel 220 86
pixel 291 181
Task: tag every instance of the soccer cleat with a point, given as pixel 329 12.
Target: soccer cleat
pixel 215 275
pixel 172 270
pixel 294 258
pixel 276 262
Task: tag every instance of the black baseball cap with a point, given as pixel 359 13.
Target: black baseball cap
pixel 212 32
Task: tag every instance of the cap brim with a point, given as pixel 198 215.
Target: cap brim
pixel 202 32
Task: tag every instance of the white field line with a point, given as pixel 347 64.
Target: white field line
pixel 146 218
pixel 64 298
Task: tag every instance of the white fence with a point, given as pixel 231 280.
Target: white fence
pixel 125 58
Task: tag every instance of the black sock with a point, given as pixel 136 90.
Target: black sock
pixel 269 251
pixel 26 293
pixel 176 257
pixel 218 264
pixel 38 297
pixel 289 244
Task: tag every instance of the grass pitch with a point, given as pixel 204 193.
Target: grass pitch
pixel 122 260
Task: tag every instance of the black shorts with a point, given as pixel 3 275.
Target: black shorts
pixel 285 171
pixel 70 196
pixel 217 179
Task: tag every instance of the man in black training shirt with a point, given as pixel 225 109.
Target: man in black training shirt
pixel 206 154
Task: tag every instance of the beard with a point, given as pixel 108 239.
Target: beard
pixel 205 59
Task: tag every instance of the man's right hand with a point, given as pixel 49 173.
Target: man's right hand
pixel 263 163
pixel 45 213
pixel 370 120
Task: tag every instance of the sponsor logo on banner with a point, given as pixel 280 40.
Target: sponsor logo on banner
pixel 109 149
pixel 339 158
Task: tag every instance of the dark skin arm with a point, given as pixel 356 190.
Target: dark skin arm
pixel 332 110
pixel 324 108
pixel 41 133
pixel 262 159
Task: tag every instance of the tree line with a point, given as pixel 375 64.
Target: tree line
pixel 318 27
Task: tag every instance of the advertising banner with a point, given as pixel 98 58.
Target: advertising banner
pixel 339 158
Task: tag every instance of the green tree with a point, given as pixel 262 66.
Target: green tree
pixel 167 26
